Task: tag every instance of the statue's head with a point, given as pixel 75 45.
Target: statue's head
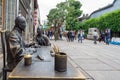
pixel 20 22
pixel 39 31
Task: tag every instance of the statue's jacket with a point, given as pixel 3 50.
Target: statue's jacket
pixel 17 46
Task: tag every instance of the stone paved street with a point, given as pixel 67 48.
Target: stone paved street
pixel 100 61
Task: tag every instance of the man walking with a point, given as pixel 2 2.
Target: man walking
pixel 95 34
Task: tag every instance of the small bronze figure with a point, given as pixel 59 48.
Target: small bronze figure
pixel 42 39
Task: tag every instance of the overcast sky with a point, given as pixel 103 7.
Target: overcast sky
pixel 88 6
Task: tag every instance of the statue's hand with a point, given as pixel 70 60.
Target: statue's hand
pixel 32 44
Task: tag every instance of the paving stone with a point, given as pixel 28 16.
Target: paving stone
pixel 105 75
pixel 113 63
pixel 88 61
pixel 96 67
pixel 80 57
pixel 117 61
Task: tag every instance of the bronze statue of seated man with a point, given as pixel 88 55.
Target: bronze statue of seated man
pixel 41 39
pixel 16 43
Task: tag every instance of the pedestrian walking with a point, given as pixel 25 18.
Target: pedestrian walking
pixel 80 36
pixel 102 36
pixel 60 35
pixel 95 35
pixel 107 37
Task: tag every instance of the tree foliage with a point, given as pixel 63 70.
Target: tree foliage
pixel 74 12
pixel 109 20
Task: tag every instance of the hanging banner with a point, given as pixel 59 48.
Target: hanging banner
pixel 3 14
pixel 36 17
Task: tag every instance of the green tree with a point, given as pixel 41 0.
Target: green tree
pixel 109 20
pixel 73 12
pixel 65 12
pixel 56 18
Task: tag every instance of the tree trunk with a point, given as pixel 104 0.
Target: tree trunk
pixel 56 33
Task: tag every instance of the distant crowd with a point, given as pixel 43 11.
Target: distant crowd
pixel 105 36
pixel 71 35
